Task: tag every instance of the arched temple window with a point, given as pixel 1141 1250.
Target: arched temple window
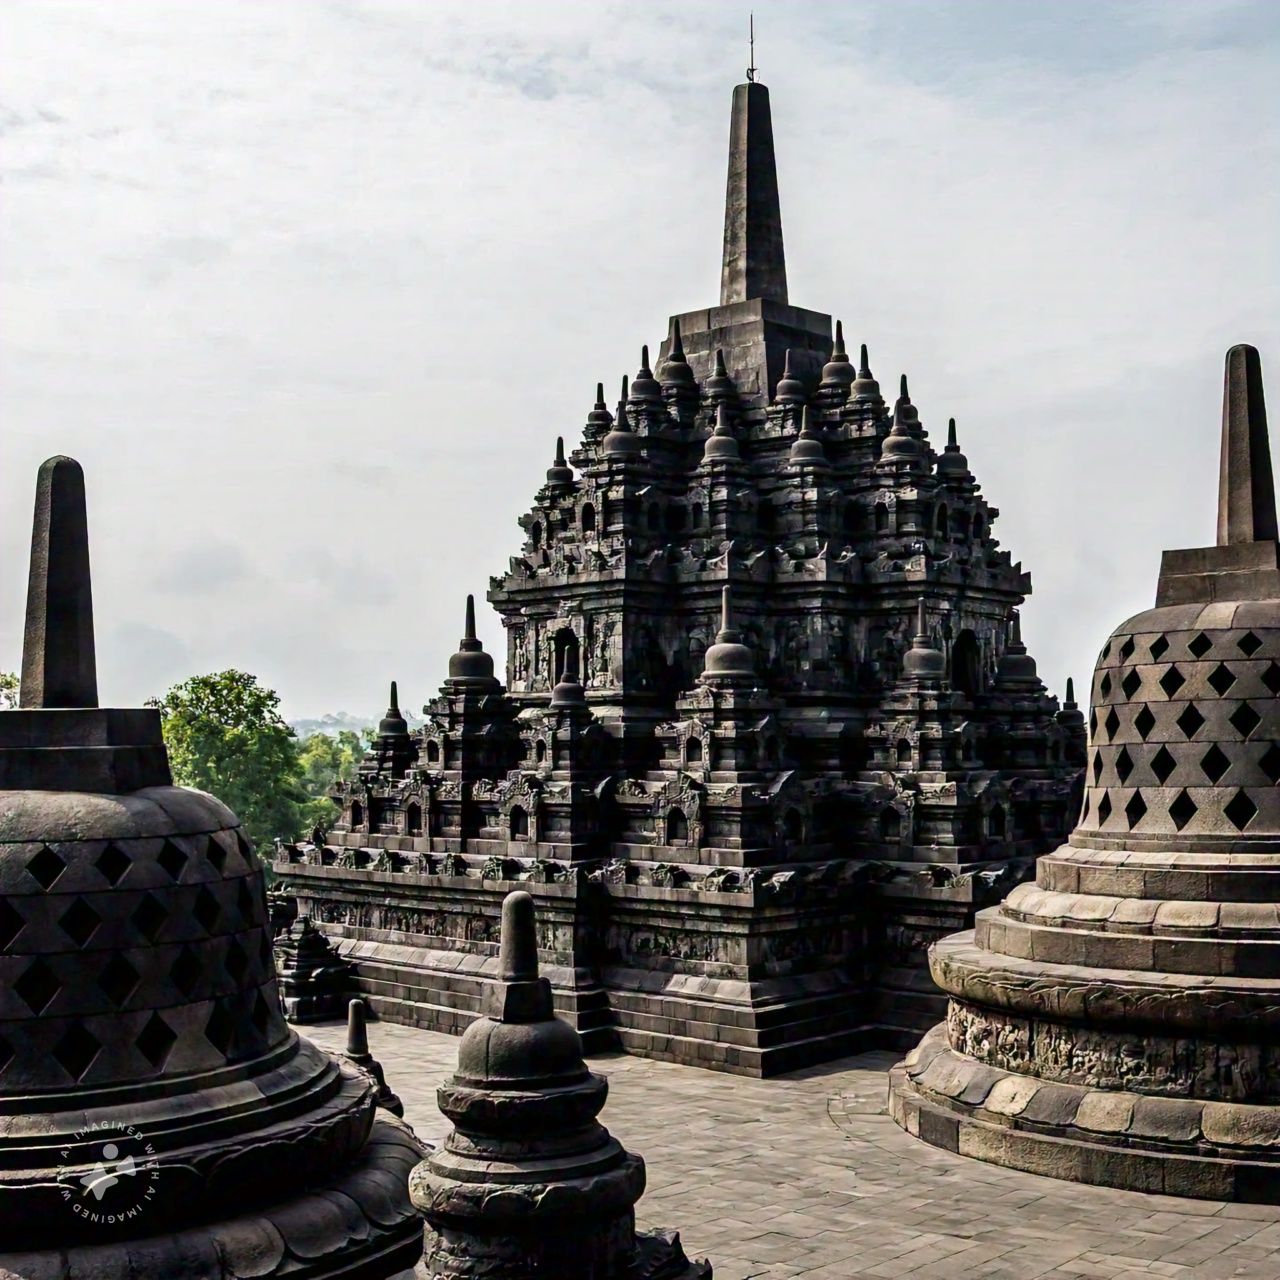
pixel 519 823
pixel 433 752
pixel 357 814
pixel 966 664
pixel 904 753
pixel 890 825
pixel 413 818
pixel 997 823
pixel 535 534
pixel 588 518
pixel 566 653
pixel 882 518
pixel 693 751
pixel 942 523
pixel 793 826
pixel 677 827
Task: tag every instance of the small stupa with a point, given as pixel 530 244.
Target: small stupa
pixel 529 1183
pixel 158 1116
pixel 1117 1021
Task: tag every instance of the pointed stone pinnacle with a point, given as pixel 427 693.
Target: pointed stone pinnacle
pixel 753 265
pixel 721 371
pixel 922 629
pixel 560 451
pixel 1071 691
pixel 600 395
pixel 839 344
pixel 1246 489
pixel 470 628
pixel 626 388
pixel 518 945
pixel 394 704
pixel 902 388
pixel 786 365
pixel 357 1033
pixel 59 668
pixel 951 434
pixel 726 608
pixel 1015 634
pixel 864 366
pixel 677 343
pixel 722 419
pixel 644 358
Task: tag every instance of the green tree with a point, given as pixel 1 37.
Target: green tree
pixel 324 760
pixel 225 736
pixel 8 691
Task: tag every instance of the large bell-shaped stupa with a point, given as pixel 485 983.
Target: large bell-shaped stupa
pixel 1118 1020
pixel 158 1117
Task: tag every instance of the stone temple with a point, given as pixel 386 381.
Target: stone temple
pixel 1118 1020
pixel 768 727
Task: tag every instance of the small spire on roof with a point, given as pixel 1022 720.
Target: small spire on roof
pixel 721 443
pixel 559 473
pixel 1246 489
pixel 807 448
pixel 644 388
pixel 790 388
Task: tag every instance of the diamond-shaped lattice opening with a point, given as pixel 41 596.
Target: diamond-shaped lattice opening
pixel 118 979
pixel 1183 809
pixel 79 921
pixel 6 1053
pixel 1144 722
pixel 261 1014
pixel 1270 762
pixel 1172 681
pixel 11 924
pixel 1215 762
pixel 155 1040
pixel 36 986
pixel 1221 678
pixel 246 849
pixel 149 917
pixel 1240 810
pixel 1097 767
pixel 1244 719
pixel 1159 647
pixel 1190 721
pixel 186 971
pixel 1126 650
pixel 46 867
pixel 1131 684
pixel 216 854
pixel 1249 644
pixel 264 949
pixel 1093 724
pixel 1135 810
pixel 237 961
pixel 1106 649
pixel 1084 812
pixel 206 909
pixel 1112 723
pixel 220 1029
pixel 1104 808
pixel 1104 685
pixel 1271 678
pixel 1200 645
pixel 245 901
pixel 75 1052
pixel 1163 764
pixel 1124 764
pixel 113 862
pixel 172 859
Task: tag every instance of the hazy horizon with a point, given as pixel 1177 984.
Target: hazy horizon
pixel 310 289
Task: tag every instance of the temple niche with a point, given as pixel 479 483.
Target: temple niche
pixel 1115 1021
pixel 768 728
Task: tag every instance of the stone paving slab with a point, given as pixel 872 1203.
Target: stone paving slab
pixel 806 1176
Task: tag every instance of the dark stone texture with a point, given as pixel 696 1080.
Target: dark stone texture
pixel 529 1182
pixel 1127 1001
pixel 754 265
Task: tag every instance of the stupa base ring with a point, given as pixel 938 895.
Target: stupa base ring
pixel 1104 1137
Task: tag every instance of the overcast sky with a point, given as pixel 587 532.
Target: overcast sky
pixel 310 288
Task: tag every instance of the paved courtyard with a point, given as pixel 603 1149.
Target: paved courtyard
pixel 807 1176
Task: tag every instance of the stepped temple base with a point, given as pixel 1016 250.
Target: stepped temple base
pixel 1138 1142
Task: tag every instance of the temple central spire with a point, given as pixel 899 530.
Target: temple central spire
pixel 1246 493
pixel 754 265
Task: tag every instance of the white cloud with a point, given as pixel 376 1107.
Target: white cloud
pixel 314 286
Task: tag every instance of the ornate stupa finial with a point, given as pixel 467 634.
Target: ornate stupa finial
pixel 621 442
pixel 1070 714
pixel 951 462
pixel 471 667
pixel 838 373
pixel 645 390
pixel 357 1051
pixel 393 724
pixel 559 473
pixel 568 691
pixel 807 449
pixel 528 1174
pixel 1246 489
pixel 599 420
pixel 720 386
pixel 722 444
pixel 59 666
pixel 923 661
pixel 677 375
pixel 729 660
pixel 904 442
pixel 790 388
pixel 865 389
pixel 1016 665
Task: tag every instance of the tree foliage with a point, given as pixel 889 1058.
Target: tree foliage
pixel 8 690
pixel 225 735
pixel 324 760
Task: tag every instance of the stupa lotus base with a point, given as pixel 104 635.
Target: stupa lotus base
pixel 1138 1142
pixel 352 1225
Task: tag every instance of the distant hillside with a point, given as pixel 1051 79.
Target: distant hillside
pixel 333 724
